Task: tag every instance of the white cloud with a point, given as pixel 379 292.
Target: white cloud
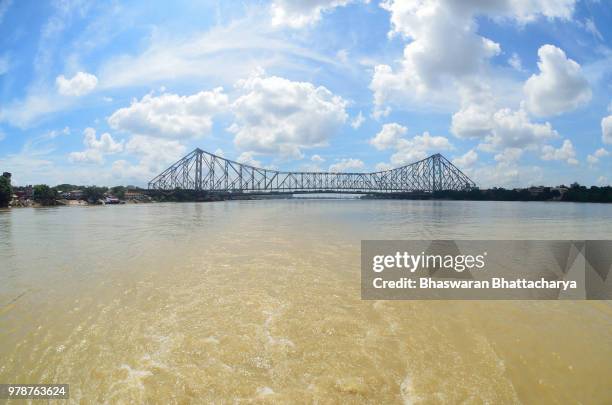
pixel 509 156
pixel 80 84
pixel 559 87
pixel 317 159
pixel 278 116
pixel 171 115
pixel 357 121
pixel 603 180
pixel 466 160
pixel 24 113
pixel 223 54
pixel 383 166
pixel 475 117
pixel 599 153
pixel 346 165
pixel 388 136
pixel 506 175
pixel 153 155
pixel 300 13
pixel 565 153
pixel 248 158
pixel 480 118
pixel 606 129
pixel 506 172
pixel 66 131
pixel 406 150
pixel 513 129
pixel 445 48
pixel 417 148
pixel 153 149
pixel 96 149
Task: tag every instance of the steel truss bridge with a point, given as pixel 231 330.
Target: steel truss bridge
pixel 206 172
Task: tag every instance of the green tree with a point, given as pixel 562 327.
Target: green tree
pixel 6 191
pixel 93 193
pixel 62 188
pixel 44 194
pixel 118 191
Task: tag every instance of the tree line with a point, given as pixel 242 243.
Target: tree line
pixel 574 193
pixel 47 195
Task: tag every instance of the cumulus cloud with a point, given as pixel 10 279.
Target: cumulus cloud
pixel 275 115
pixel 599 153
pixel 498 128
pixel 418 147
pixel 509 156
pixel 475 117
pixel 80 84
pixel 388 136
pixel 300 13
pixel 346 165
pixel 445 48
pixel 96 148
pixel 514 129
pixel 565 153
pixel 406 150
pixel 152 154
pixel 559 87
pixel 466 160
pixel 248 158
pixel 171 115
pixel 606 129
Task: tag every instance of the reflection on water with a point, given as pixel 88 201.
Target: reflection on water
pixel 260 301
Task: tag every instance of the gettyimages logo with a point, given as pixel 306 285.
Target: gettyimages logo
pixel 410 262
pixel 486 269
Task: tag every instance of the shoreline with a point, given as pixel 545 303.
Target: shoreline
pixel 72 203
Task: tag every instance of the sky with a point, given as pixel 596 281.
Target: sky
pixel 514 92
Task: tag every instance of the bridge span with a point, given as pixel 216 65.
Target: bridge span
pixel 207 172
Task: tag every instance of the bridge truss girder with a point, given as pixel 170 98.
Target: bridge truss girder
pixel 203 171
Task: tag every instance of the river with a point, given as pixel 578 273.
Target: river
pixel 259 301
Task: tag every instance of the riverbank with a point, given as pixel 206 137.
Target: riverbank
pixel 68 203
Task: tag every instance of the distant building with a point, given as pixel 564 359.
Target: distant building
pixel 23 193
pixel 73 195
pixel 535 190
pixel 134 195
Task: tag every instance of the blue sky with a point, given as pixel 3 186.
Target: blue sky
pixel 515 93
